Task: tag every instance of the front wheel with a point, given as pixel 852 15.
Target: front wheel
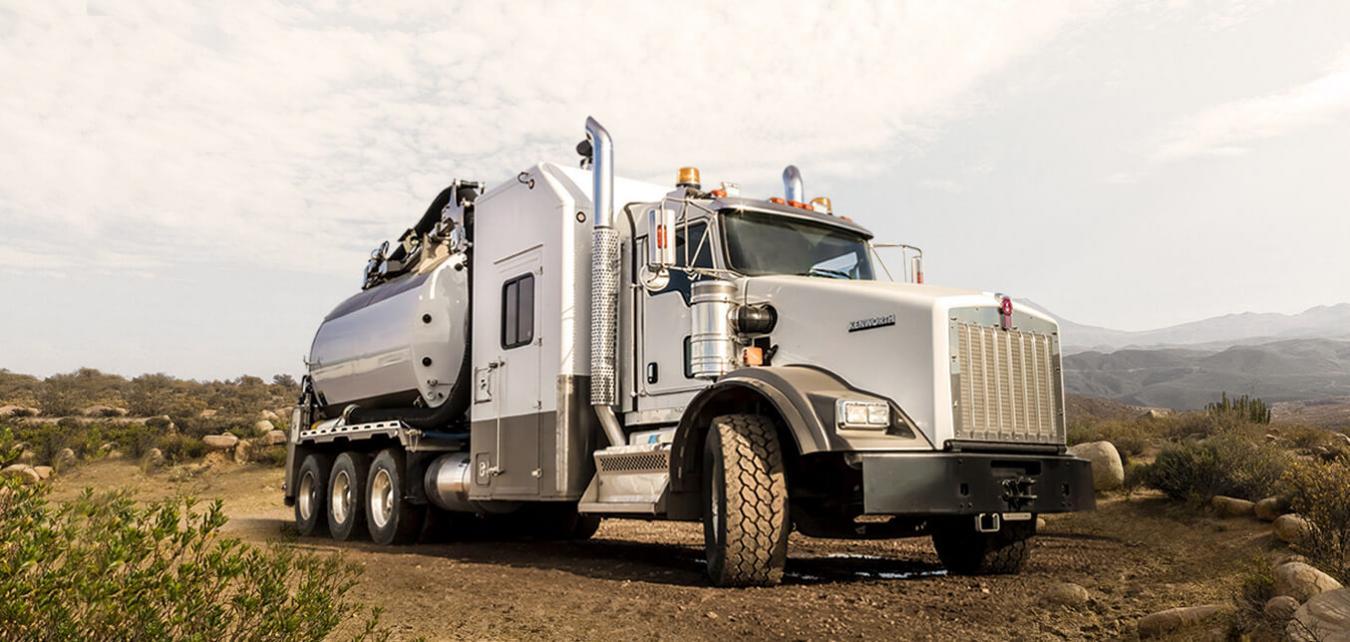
pixel 745 502
pixel 966 551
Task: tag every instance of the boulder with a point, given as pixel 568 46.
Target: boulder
pixel 1270 508
pixel 262 427
pixel 14 412
pixel 1066 594
pixel 1174 620
pixel 208 413
pixel 1290 528
pixel 274 438
pixel 1154 413
pixel 243 451
pixel 1232 506
pixel 1325 618
pixel 268 415
pixel 1108 473
pixel 215 459
pixel 154 459
pixel 43 471
pixel 23 472
pixel 1280 608
pixel 1302 581
pixel 1041 524
pixel 27 457
pixel 220 442
pixel 64 458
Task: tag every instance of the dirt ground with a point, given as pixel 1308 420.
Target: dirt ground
pixel 638 580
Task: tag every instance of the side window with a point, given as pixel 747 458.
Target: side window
pixel 518 311
pixel 699 256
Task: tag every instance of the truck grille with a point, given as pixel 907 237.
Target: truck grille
pixel 1006 385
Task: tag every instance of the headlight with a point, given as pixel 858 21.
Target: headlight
pixel 863 414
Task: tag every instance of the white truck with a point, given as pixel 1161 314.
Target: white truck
pixel 568 346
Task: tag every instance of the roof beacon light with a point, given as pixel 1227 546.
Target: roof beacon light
pixel 822 204
pixel 688 177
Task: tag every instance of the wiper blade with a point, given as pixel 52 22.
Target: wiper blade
pixel 826 272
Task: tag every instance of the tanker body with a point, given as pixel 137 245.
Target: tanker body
pixel 568 346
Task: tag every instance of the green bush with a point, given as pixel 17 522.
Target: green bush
pixel 1225 464
pixel 1320 492
pixel 1131 438
pixel 102 568
pixel 180 448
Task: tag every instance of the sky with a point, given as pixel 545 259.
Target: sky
pixel 189 188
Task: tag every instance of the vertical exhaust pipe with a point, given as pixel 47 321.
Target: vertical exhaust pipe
pixel 793 190
pixel 604 283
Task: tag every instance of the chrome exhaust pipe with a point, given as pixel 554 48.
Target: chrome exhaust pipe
pixel 793 190
pixel 604 283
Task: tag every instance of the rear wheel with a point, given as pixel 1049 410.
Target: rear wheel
pixel 966 551
pixel 390 517
pixel 745 502
pixel 310 494
pixel 346 496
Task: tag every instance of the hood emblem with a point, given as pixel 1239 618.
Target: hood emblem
pixel 1005 314
pixel 869 324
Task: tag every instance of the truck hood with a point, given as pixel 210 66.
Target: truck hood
pixel 888 339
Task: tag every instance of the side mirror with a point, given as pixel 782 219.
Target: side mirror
pixel 660 239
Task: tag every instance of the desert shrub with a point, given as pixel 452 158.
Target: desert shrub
pixel 1320 492
pixel 199 427
pixel 1131 438
pixel 1221 465
pixel 102 568
pixel 272 456
pixel 1256 586
pixel 180 448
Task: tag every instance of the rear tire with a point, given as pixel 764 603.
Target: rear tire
pixel 390 517
pixel 965 551
pixel 311 495
pixel 745 502
pixel 347 496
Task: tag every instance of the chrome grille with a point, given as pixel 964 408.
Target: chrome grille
pixel 1006 385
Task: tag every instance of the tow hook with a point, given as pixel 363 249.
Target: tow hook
pixel 988 522
pixel 1017 491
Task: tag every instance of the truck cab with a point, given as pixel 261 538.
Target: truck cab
pixel 582 346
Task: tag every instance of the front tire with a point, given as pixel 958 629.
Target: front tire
pixel 745 502
pixel 347 496
pixel 311 494
pixel 390 517
pixel 965 551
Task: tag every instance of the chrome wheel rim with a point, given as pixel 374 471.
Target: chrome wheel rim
pixel 340 498
pixel 382 498
pixel 308 496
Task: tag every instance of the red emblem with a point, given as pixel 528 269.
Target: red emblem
pixel 1005 313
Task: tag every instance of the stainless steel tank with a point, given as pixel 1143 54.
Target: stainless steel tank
pixel 397 342
pixel 712 345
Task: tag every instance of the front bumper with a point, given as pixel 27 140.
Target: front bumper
pixel 943 483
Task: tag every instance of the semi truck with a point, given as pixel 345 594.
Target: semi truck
pixel 568 346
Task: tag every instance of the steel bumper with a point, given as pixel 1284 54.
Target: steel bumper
pixel 943 483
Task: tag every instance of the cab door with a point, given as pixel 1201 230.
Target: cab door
pixel 664 379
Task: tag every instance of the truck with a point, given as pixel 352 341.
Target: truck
pixel 568 346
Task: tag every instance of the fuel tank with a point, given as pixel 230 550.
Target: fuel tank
pixel 399 344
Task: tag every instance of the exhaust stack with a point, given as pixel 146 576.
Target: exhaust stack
pixel 604 283
pixel 793 190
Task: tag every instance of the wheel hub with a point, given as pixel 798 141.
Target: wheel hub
pixel 382 498
pixel 340 497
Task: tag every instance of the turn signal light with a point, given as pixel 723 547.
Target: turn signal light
pixel 822 204
pixel 688 177
pixel 753 356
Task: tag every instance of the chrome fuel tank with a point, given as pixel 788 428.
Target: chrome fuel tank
pixel 395 342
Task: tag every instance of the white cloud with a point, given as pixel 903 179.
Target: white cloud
pixel 1229 129
pixel 297 137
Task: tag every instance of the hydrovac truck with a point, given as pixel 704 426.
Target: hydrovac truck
pixel 568 346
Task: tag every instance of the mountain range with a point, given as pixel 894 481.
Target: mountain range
pixel 1321 322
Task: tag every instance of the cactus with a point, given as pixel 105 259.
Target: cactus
pixel 1252 409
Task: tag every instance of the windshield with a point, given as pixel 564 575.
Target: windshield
pixel 759 244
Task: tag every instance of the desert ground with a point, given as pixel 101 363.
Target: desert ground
pixel 639 580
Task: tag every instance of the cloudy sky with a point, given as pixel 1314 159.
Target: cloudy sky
pixel 188 188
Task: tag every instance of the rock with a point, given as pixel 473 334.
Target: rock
pixel 1301 581
pixel 27 457
pixel 1066 594
pixel 1154 413
pixel 263 426
pixel 220 442
pixel 1290 528
pixel 1270 508
pixel 268 415
pixel 64 458
pixel 1108 473
pixel 43 471
pixel 1280 608
pixel 1173 620
pixel 208 413
pixel 104 411
pixel 215 459
pixel 162 422
pixel 1041 523
pixel 23 472
pixel 1290 557
pixel 243 451
pixel 1232 506
pixel 14 412
pixel 274 438
pixel 154 459
pixel 1325 618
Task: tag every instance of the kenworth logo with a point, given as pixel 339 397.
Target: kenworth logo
pixel 874 322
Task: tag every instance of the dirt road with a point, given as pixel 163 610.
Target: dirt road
pixel 644 580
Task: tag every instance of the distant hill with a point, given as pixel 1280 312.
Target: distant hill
pixel 1185 378
pixel 1321 322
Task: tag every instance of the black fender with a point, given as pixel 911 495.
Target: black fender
pixel 802 397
